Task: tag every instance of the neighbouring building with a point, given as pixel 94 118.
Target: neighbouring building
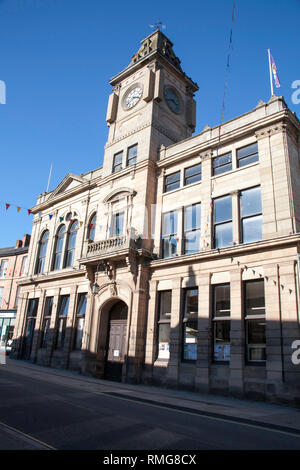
pixel 176 263
pixel 13 262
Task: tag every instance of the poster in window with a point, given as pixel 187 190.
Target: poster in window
pixel 164 351
pixel 190 352
pixel 222 352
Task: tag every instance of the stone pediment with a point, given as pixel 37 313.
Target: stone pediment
pixel 68 183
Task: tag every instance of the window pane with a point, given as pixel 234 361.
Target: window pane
pixel 256 353
pixel 165 305
pixel 223 209
pixel 3 267
pixel 48 306
pixel 131 155
pixel 247 160
pixel 190 333
pixel 223 235
pixel 81 304
pixel 79 333
pixel 222 300
pixel 256 331
pixel 192 219
pixel 164 341
pixel 252 229
pixel 192 242
pixel 57 261
pixel 248 150
pixel 222 164
pixel 32 307
pixel 222 340
pixel 172 181
pixel 169 223
pixel 64 305
pixel 255 298
pixel 251 202
pixel 169 247
pixel 193 174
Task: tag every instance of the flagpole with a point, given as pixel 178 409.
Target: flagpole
pixel 270 69
pixel 50 173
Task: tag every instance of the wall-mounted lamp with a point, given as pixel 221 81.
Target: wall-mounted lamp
pixel 95 288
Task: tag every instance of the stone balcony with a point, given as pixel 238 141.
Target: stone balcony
pixel 114 247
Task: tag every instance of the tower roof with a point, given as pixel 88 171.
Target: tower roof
pixel 156 44
pixel 157 41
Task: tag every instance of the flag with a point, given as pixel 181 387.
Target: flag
pixel 274 71
pixel 7 206
pixel 29 211
pixel 50 216
pixel 18 208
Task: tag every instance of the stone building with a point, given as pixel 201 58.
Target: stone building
pixel 177 261
pixel 13 261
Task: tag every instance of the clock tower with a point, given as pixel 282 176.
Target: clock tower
pixel 151 105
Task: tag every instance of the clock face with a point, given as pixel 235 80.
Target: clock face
pixel 133 97
pixel 172 100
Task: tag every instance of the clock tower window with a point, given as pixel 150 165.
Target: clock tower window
pixel 131 155
pixel 117 162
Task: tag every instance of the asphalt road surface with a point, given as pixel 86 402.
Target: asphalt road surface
pixel 39 414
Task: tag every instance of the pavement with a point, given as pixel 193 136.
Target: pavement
pixel 258 414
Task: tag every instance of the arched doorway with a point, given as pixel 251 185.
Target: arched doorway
pixel 116 340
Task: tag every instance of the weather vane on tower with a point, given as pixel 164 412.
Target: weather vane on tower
pixel 158 25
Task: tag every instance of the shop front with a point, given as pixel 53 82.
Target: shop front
pixel 7 323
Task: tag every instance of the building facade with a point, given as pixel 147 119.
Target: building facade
pixel 176 263
pixel 13 262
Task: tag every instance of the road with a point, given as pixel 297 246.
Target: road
pixel 37 413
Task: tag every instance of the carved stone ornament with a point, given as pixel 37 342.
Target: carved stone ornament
pixel 113 289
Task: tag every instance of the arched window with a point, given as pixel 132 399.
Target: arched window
pixel 40 265
pixel 92 228
pixel 71 242
pixel 58 247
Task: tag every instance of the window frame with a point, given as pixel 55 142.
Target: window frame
pixel 71 250
pixel 239 159
pixel 55 252
pixel 222 165
pixel 254 214
pixel 166 190
pixel 185 319
pixel 3 269
pixel 46 320
pixel 169 236
pixel 115 166
pixel 252 317
pixel 60 336
pixel 129 160
pixel 215 319
pixel 195 229
pixel 224 222
pixel 163 321
pixel 185 182
pixel 41 260
pixel 91 230
pixel 79 316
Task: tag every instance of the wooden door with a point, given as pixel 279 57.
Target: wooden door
pixel 116 342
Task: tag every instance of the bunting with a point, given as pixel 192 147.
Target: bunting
pixel 8 205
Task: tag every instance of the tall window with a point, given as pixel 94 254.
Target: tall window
pixel 221 322
pixel 80 316
pixel 46 321
pixel 192 224
pixel 92 228
pixel 169 234
pixel 1 295
pixel 40 266
pixel 30 325
pixel 222 163
pixel 255 320
pixel 190 324
pixel 117 224
pixel 172 181
pixel 247 155
pixel 71 244
pixel 117 162
pixel 131 155
pixel 17 296
pixel 23 266
pixel 223 221
pixel 164 324
pixel 3 268
pixel 251 215
pixel 193 174
pixel 58 247
pixel 63 307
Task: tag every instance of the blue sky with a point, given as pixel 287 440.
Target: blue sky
pixel 57 57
